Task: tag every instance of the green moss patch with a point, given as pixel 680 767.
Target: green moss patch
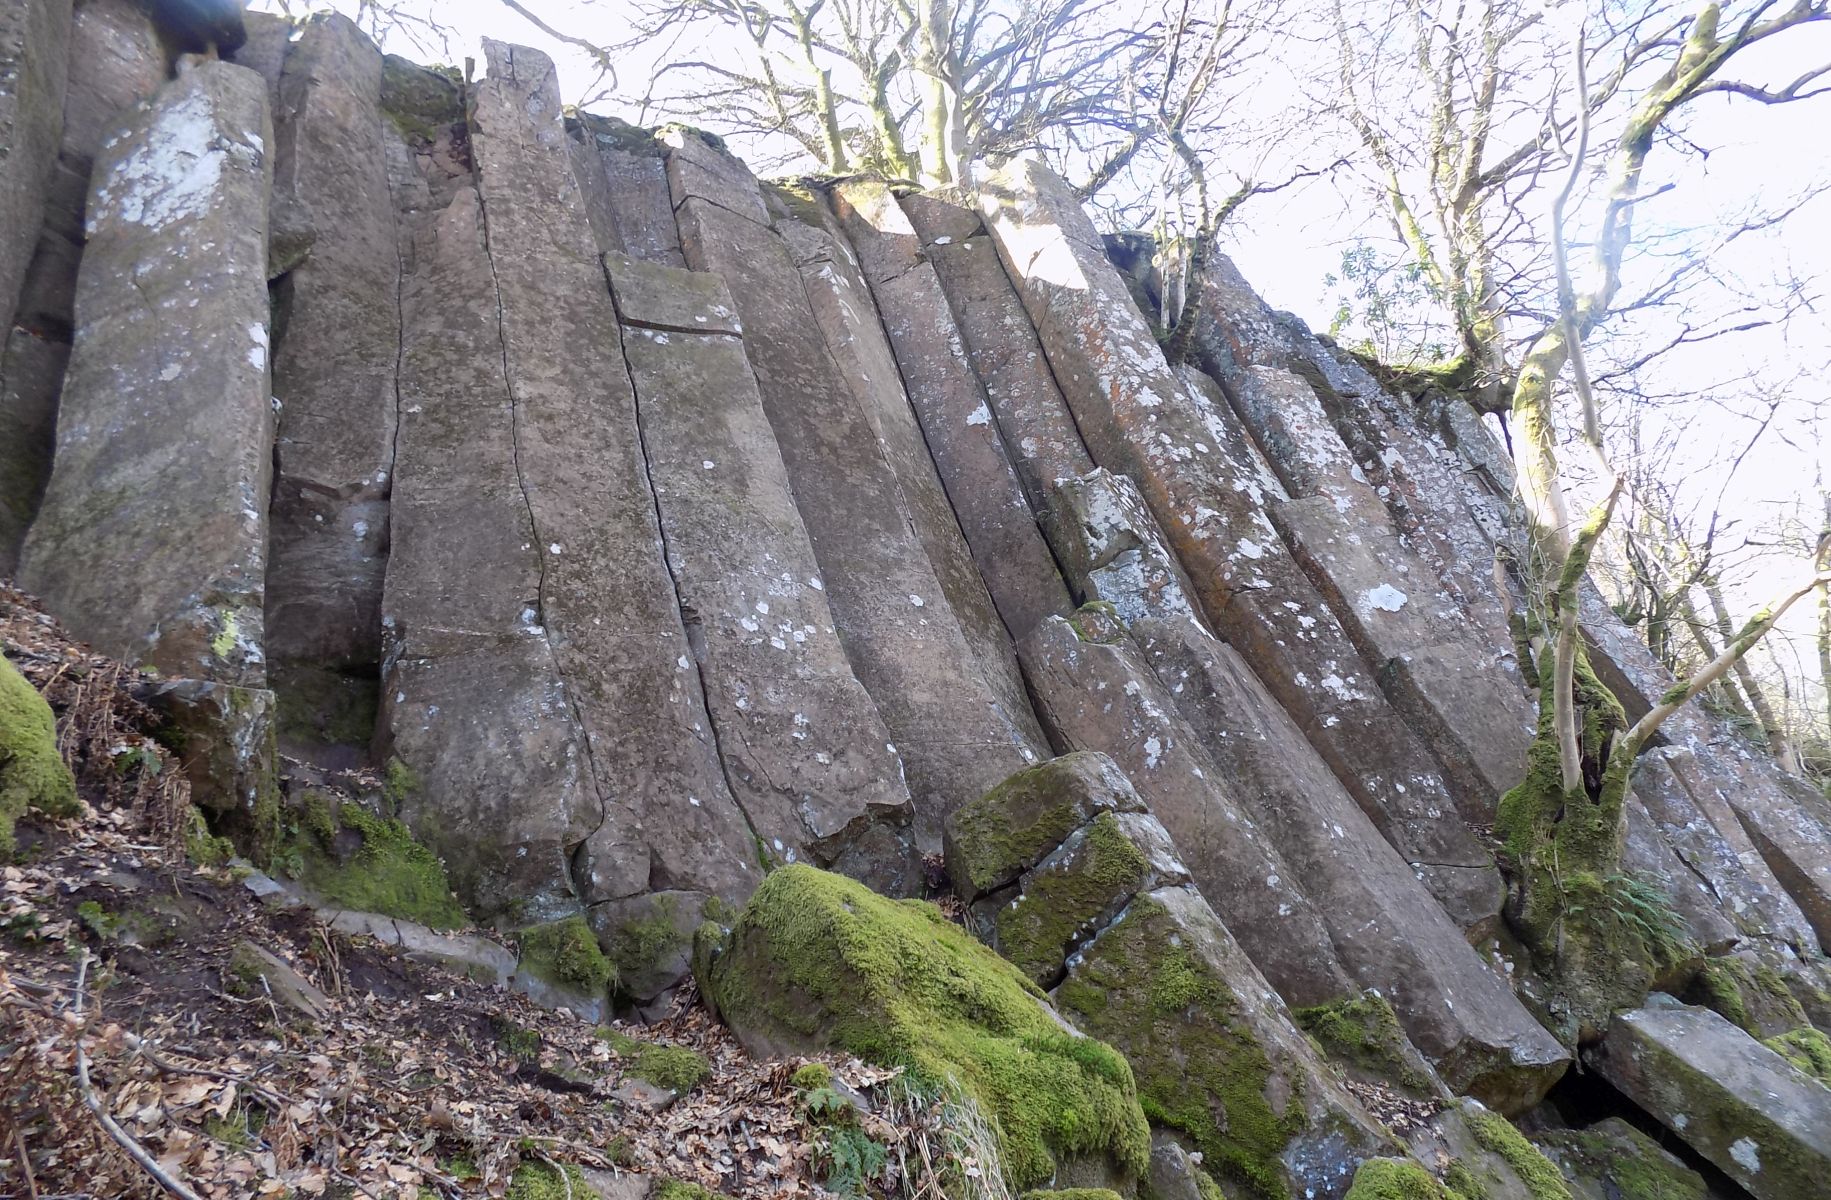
pixel 538 1181
pixel 1363 1033
pixel 388 872
pixel 810 1076
pixel 1497 1135
pixel 1807 1049
pixel 1075 1194
pixel 566 952
pixel 996 838
pixel 1092 875
pixel 673 1067
pixel 818 960
pixel 1394 1179
pixel 1198 1065
pixel 32 773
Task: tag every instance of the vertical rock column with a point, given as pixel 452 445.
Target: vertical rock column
pixel 539 681
pixel 151 542
pixel 334 377
pixel 955 414
pixel 954 731
pixel 804 749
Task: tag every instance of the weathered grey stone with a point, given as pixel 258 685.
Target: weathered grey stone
pixel 269 40
pixel 115 61
pixel 1174 1172
pixel 1612 1159
pixel 670 299
pixel 804 750
pixel 334 367
pixel 955 734
pixel 1645 854
pixel 1739 1104
pixel 1465 1144
pixel 1449 685
pixel 854 331
pixel 996 838
pixel 1001 344
pixel 955 415
pixel 1205 485
pixel 637 213
pixel 225 736
pixel 540 690
pixel 1214 1049
pixel 151 539
pixel 1096 693
pixel 34 53
pixel 470 955
pixel 261 974
pixel 1110 547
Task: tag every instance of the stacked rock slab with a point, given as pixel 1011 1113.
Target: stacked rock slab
pixel 540 690
pixel 1142 961
pixel 1763 1122
pixel 151 540
pixel 1206 486
pixel 951 404
pixel 334 378
pixel 804 749
pixel 957 734
pixel 622 171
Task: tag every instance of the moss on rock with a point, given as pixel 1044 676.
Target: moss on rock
pixel 538 1181
pixel 389 872
pixel 1362 1032
pixel 1497 1135
pixel 1092 875
pixel 673 1067
pixel 996 838
pixel 678 1189
pixel 1807 1049
pixel 32 773
pixel 567 953
pixel 1199 1067
pixel 1620 1161
pixel 818 960
pixel 1075 1194
pixel 1394 1179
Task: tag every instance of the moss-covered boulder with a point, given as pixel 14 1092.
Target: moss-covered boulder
pixel 818 961
pixel 357 860
pixel 1362 1036
pixel 1215 1052
pixel 1073 893
pixel 1806 1048
pixel 1480 1155
pixel 32 773
pixel 1612 1160
pixel 993 840
pixel 1748 993
pixel 1395 1179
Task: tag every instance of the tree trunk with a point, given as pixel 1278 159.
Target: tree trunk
pixel 1757 697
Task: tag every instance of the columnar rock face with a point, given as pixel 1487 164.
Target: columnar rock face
pixel 334 377
pixel 34 50
pixel 957 734
pixel 952 406
pixel 599 754
pixel 1763 1122
pixel 151 541
pixel 115 61
pixel 804 749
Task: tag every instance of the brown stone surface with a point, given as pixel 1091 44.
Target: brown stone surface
pixel 955 415
pixel 334 366
pixel 804 750
pixel 956 735
pixel 1097 693
pixel 151 539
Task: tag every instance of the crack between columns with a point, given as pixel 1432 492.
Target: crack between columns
pixel 540 552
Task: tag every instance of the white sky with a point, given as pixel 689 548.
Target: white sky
pixel 1288 243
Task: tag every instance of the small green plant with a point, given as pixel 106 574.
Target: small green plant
pixel 812 1075
pixel 1643 906
pixel 853 1158
pixel 825 1105
pixel 518 1043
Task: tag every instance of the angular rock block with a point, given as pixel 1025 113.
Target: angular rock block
pixel 1040 437
pixel 1766 1124
pixel 952 406
pixel 996 838
pixel 1096 693
pixel 622 171
pixel 804 749
pixel 1612 1158
pixel 956 731
pixel 1214 1049
pixel 226 740
pixel 334 368
pixel 151 539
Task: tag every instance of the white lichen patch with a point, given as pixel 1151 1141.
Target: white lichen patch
pixel 1385 598
pixel 1747 1154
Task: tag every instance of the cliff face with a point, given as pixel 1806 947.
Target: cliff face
pixel 650 527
